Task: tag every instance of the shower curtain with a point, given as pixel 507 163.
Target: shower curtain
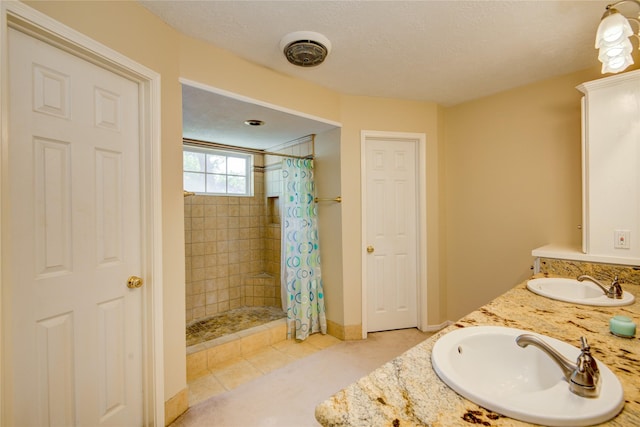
pixel 301 275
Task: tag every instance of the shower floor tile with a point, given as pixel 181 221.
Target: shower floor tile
pixel 230 322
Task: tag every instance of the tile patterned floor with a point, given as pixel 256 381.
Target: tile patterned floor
pixel 279 397
pixel 242 369
pixel 230 322
pixel 245 366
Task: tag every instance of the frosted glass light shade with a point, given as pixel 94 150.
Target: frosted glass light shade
pixel 613 29
pixel 608 52
pixel 612 39
pixel 617 63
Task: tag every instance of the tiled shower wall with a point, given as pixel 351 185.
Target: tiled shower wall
pixel 232 244
pixel 224 250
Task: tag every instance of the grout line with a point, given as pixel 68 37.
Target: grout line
pixel 243 359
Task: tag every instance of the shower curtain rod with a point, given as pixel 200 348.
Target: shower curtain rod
pixel 208 144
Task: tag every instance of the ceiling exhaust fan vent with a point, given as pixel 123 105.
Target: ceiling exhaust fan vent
pixel 305 48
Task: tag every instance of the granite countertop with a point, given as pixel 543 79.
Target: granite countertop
pixel 407 392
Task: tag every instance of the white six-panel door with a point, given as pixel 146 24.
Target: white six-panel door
pixel 75 239
pixel 391 234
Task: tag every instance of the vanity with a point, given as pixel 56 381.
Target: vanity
pixel 407 391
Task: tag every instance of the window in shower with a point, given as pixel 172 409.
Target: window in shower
pixel 209 171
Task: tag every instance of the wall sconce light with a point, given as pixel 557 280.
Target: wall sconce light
pixel 612 38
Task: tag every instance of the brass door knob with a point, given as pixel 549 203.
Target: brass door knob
pixel 134 282
pixel 370 249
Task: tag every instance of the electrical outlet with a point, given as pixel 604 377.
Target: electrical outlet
pixel 621 239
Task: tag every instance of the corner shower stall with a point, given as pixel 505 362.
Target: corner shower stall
pixel 233 252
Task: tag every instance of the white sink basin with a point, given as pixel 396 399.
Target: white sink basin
pixel 570 290
pixel 485 365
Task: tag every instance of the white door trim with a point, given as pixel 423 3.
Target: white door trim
pixel 17 15
pixel 421 262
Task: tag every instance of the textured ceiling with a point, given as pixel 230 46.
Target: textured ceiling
pixel 447 52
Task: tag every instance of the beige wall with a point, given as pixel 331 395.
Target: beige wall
pixel 503 172
pixel 513 183
pixel 328 185
pixel 380 114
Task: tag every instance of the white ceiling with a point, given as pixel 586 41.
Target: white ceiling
pixel 447 52
pixel 216 117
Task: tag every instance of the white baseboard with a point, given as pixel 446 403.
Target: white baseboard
pixel 435 328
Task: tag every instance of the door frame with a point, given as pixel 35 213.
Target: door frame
pixel 16 15
pixel 420 139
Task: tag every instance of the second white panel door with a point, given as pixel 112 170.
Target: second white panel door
pixel 391 233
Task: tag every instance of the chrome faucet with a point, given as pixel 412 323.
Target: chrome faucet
pixel 614 291
pixel 583 376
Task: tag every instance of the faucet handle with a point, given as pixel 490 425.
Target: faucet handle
pixel 615 289
pixel 586 376
pixel 584 345
pixel 585 360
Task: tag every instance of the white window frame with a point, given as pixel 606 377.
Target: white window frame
pixel 227 153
